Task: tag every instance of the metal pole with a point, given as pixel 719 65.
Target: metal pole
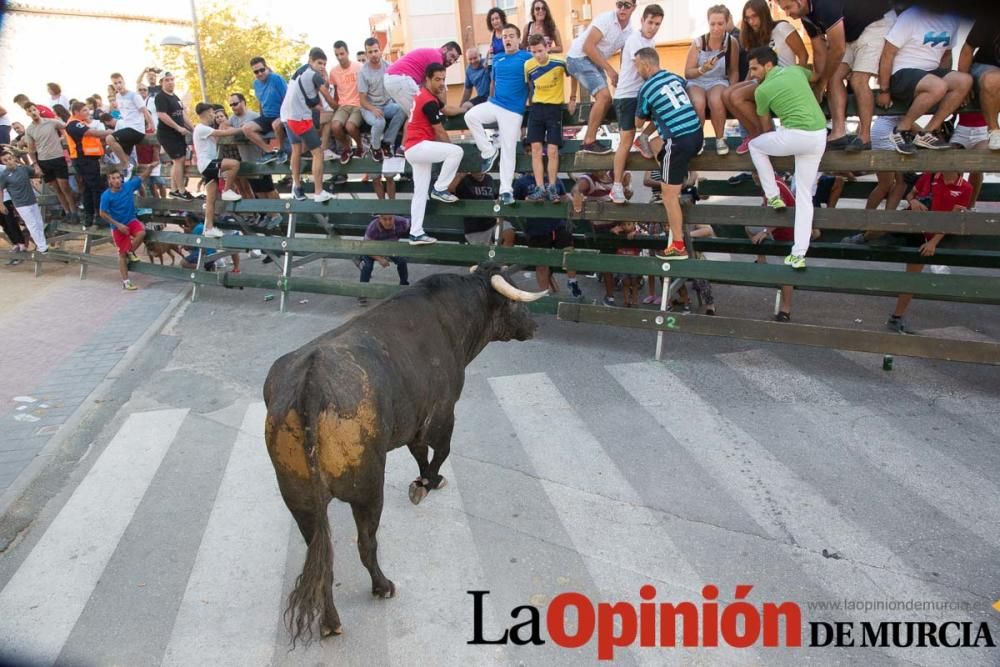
pixel 286 268
pixel 86 251
pixel 197 53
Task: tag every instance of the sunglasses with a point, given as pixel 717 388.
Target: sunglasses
pixel 235 103
pixel 260 71
pixel 538 8
pixel 624 5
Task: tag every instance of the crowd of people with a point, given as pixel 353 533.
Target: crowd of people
pixel 758 72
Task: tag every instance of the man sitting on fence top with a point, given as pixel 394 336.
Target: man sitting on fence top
pixel 915 70
pixel 587 62
pixel 981 58
pixel 405 76
pixel 346 124
pixel 385 117
pixel 269 88
pixel 784 93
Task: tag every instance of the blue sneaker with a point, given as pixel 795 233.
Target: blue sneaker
pixel 423 239
pixel 553 193
pixel 537 195
pixel 488 162
pixel 443 196
pixel 298 193
pixel 507 198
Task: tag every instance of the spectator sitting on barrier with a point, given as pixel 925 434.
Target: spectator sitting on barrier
pixel 971 132
pixel 44 143
pixel 270 89
pixel 543 24
pixel 915 70
pixel 211 167
pixel 546 77
pixel 346 124
pixel 548 233
pixel 945 191
pixel 712 66
pixel 118 208
pixel 56 96
pixel 262 186
pixel 479 186
pixel 385 227
pixel 587 62
pixel 477 80
pixel 980 57
pixel 15 181
pixel 132 127
pixel 385 117
pixel 61 112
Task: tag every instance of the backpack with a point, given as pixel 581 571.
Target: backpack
pixel 311 102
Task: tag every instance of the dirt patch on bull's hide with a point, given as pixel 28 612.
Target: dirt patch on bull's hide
pixel 343 438
pixel 286 443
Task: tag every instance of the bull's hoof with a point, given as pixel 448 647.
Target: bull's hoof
pixel 326 630
pixel 385 590
pixel 443 483
pixel 417 492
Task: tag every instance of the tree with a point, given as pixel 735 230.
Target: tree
pixel 229 39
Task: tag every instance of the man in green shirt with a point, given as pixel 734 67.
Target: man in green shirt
pixel 784 93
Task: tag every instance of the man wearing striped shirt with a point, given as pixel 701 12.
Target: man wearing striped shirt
pixel 663 99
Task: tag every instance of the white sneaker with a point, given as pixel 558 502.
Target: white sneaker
pixel 214 233
pixel 721 147
pixel 231 195
pixel 322 197
pixel 329 155
pixel 618 194
pixel 995 140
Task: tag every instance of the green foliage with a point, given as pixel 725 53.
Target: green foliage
pixel 229 39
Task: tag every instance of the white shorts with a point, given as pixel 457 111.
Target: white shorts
pixel 863 54
pixel 402 89
pixel 485 237
pixel 968 137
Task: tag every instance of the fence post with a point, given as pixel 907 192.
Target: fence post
pixel 86 252
pixel 199 265
pixel 286 268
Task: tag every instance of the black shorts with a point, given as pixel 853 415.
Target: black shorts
pixel 560 237
pixel 262 184
pixel 211 171
pixel 675 156
pixel 173 143
pixel 479 99
pixel 53 169
pixel 545 124
pixel 625 113
pixel 128 138
pixel 264 123
pixel 903 83
pixel 4 134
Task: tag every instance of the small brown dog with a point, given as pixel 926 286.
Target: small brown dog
pixel 156 250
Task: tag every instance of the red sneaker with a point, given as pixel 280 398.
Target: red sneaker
pixel 744 147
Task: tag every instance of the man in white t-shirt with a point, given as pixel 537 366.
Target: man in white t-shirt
pixel 211 168
pixel 587 62
pixel 627 91
pixel 300 114
pixel 130 129
pixel 915 69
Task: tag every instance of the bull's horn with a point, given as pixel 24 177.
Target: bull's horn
pixel 514 294
pixel 472 269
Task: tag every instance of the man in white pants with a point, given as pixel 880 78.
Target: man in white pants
pixel 15 180
pixel 505 107
pixel 426 142
pixel 784 93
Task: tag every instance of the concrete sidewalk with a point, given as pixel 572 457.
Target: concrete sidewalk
pixel 63 337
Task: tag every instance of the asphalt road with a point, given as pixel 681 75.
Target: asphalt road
pixel 578 465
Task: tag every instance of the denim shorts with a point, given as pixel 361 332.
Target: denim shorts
pixel 587 73
pixel 979 69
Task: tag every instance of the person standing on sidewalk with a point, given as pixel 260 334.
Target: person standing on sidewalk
pixel 426 142
pixel 16 182
pixel 118 208
pixel 784 92
pixel 505 108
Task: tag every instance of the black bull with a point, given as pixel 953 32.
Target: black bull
pixel 389 377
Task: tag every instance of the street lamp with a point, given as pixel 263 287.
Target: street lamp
pixel 177 41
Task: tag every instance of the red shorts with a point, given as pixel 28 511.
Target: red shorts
pixel 123 241
pixel 300 127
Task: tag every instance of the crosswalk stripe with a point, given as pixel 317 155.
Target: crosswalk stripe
pixel 972 504
pixel 240 563
pixel 52 586
pixel 597 506
pixel 776 498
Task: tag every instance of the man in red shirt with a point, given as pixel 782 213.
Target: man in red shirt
pixel 943 191
pixel 426 142
pixel 22 101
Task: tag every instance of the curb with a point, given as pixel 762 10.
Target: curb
pixel 44 457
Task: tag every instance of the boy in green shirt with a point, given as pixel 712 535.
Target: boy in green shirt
pixel 784 93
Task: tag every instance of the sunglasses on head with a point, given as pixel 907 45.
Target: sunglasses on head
pixel 260 71
pixel 624 5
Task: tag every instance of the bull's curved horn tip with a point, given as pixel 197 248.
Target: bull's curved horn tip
pixel 501 285
pixel 472 269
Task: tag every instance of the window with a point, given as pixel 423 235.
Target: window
pixel 506 5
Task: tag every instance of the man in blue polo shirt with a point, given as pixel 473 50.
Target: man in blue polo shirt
pixel 505 108
pixel 269 88
pixel 477 80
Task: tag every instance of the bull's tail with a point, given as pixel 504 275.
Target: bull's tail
pixel 312 597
